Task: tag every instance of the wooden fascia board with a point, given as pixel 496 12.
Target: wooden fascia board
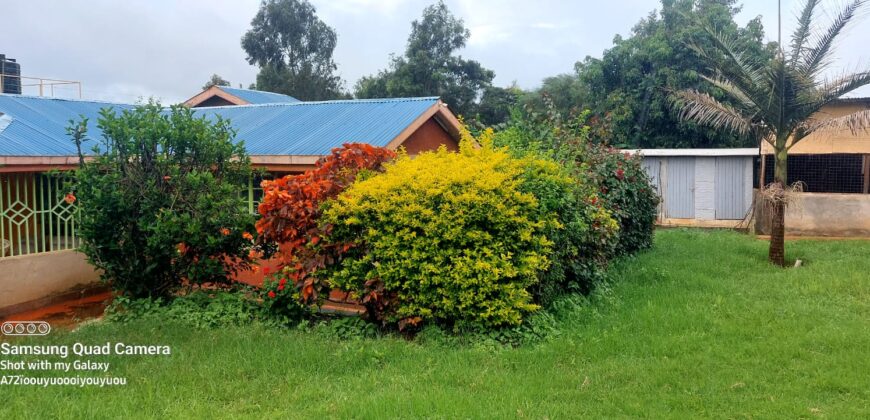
pixel 211 92
pixel 265 160
pixel 438 110
pixel 44 163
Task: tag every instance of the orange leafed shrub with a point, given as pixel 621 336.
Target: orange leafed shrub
pixel 291 209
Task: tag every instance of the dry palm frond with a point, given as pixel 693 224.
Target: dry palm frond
pixel 835 88
pixel 705 110
pixel 775 193
pixel 855 122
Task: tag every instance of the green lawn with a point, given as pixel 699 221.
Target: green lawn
pixel 701 326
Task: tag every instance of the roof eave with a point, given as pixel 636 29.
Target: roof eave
pixel 438 110
pixel 212 92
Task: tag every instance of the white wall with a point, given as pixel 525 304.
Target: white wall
pixel 27 278
pixel 705 187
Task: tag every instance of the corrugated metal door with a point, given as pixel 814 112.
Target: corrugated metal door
pixel 680 189
pixel 730 188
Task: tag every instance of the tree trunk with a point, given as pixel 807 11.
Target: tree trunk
pixel 776 253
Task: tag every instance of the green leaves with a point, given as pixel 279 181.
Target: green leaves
pixel 293 49
pixel 444 237
pixel 161 202
pixel 430 67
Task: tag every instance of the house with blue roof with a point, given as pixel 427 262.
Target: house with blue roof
pixel 282 135
pixel 225 95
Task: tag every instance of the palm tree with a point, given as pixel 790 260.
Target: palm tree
pixel 777 100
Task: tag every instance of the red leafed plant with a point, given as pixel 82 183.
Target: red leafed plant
pixel 291 209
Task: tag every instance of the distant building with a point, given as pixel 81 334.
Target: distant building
pixel 225 95
pixel 837 162
pixel 714 187
pixel 701 187
pixel 10 75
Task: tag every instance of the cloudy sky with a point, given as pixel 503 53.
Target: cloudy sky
pixel 125 50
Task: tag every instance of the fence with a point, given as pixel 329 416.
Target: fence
pixel 823 173
pixel 35 218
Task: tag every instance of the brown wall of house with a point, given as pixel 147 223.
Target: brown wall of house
pixel 429 136
pixel 834 142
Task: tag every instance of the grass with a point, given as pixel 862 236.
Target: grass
pixel 701 326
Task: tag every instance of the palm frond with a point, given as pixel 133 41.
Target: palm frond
pixel 704 109
pixel 750 75
pixel 816 58
pixel 731 90
pixel 835 88
pixel 803 31
pixel 811 100
pixel 856 123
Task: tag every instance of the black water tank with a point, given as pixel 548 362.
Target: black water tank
pixel 11 72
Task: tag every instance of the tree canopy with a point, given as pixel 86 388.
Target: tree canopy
pixel 628 86
pixel 215 80
pixel 293 49
pixel 430 66
pixel 776 99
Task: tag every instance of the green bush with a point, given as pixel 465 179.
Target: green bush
pixel 585 237
pixel 627 191
pixel 160 200
pixel 617 178
pixel 444 237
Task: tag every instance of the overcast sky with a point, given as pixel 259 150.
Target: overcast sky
pixel 125 50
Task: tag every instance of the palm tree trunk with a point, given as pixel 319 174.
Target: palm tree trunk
pixel 776 253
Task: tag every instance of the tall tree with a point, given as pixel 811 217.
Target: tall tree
pixel 777 100
pixel 293 49
pixel 496 104
pixel 215 80
pixel 430 66
pixel 626 86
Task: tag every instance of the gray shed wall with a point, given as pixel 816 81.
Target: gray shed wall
pixel 702 187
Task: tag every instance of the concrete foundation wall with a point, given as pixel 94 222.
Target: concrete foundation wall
pixel 28 278
pixel 824 214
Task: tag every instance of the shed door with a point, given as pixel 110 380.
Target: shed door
pixel 680 190
pixel 731 187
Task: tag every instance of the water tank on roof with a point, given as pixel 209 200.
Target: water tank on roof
pixel 10 72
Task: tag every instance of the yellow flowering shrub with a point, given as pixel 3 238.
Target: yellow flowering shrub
pixel 445 237
pixel 587 233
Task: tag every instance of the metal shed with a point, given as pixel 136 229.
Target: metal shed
pixel 701 185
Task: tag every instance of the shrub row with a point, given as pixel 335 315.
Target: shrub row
pixel 479 237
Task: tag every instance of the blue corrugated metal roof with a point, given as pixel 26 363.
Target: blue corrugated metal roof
pixel 314 128
pixel 258 96
pixel 38 124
